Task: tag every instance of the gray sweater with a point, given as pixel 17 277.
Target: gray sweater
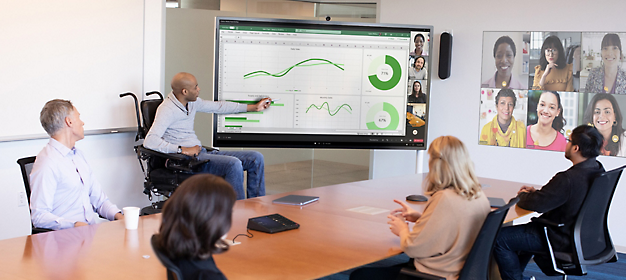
pixel 173 123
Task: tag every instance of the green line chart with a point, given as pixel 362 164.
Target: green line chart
pixel 334 111
pixel 305 63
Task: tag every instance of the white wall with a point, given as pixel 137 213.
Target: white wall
pixel 69 56
pixel 460 93
pixel 111 156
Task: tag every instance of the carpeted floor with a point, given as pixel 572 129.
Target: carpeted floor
pixel 608 271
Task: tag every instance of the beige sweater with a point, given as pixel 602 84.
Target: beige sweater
pixel 444 234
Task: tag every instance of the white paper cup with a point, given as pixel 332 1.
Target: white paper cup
pixel 131 217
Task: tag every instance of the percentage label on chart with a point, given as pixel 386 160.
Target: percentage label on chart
pixel 384 72
pixel 382 119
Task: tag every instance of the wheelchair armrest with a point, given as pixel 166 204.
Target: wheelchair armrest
pixel 151 152
pixel 37 230
pixel 545 222
pixel 411 273
pixel 178 162
pixel 210 149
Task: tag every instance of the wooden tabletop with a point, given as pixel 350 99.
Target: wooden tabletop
pixel 330 239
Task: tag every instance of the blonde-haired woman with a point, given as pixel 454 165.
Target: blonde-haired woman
pixel 444 234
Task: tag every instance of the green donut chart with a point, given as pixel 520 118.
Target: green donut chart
pixel 382 116
pixel 373 72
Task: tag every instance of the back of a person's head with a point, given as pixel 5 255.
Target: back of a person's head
pixel 588 139
pixel 195 218
pixel 450 166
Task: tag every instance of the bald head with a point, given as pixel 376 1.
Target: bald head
pixel 182 81
pixel 185 88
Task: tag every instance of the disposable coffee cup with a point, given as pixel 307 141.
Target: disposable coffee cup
pixel 131 217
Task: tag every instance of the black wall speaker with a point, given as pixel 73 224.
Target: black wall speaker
pixel 445 55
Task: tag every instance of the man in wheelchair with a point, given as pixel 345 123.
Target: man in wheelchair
pixel 172 132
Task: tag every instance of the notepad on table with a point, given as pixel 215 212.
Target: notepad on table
pixel 296 199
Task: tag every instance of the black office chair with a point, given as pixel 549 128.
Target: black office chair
pixel 591 242
pixel 163 173
pixel 477 263
pixel 173 272
pixel 26 165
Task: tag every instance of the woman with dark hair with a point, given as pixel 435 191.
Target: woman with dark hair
pixel 504 130
pixel 417 96
pixel 604 114
pixel 504 55
pixel 546 134
pixel 553 72
pixel 419 41
pixel 418 72
pixel 609 77
pixel 195 218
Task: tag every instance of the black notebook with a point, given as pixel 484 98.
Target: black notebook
pixel 296 199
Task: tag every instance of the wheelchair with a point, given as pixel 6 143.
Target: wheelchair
pixel 163 173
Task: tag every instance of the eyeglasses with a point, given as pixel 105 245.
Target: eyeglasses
pixel 551 51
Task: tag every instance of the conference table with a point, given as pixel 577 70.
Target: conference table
pixel 346 228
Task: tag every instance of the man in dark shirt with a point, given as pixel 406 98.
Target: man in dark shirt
pixel 559 201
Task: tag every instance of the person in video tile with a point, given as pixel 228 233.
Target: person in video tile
pixel 546 134
pixel 604 114
pixel 553 72
pixel 419 41
pixel 418 72
pixel 504 129
pixel 609 77
pixel 504 52
pixel 417 96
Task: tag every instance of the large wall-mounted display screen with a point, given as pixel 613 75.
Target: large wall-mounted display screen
pixel 536 87
pixel 333 85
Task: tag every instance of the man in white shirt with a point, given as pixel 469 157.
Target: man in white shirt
pixel 64 192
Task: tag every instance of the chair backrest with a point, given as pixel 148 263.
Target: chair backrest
pixel 477 263
pixel 148 112
pixel 26 165
pixel 173 272
pixel 591 238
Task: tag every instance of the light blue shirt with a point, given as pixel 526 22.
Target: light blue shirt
pixel 173 122
pixel 64 191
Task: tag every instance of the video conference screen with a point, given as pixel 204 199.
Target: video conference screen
pixel 333 85
pixel 537 87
